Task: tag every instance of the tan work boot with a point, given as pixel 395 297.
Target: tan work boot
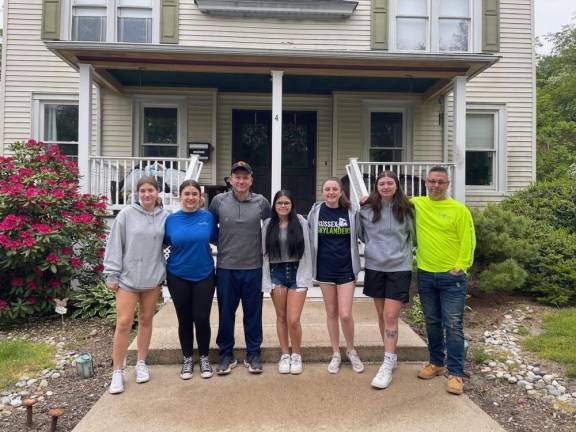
pixel 455 385
pixel 431 371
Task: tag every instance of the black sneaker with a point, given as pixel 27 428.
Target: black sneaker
pixel 253 363
pixel 227 363
pixel 205 367
pixel 187 368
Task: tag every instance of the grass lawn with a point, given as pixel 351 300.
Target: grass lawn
pixel 18 358
pixel 558 339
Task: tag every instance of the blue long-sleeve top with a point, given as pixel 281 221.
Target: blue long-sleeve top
pixel 189 235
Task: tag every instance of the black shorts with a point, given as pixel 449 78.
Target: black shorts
pixel 390 285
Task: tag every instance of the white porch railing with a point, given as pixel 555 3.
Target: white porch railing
pixel 411 175
pixel 116 178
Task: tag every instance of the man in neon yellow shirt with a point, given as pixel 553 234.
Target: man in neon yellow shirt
pixel 446 242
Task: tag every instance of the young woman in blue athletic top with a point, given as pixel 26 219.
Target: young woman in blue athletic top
pixel 336 262
pixel 287 275
pixel 190 277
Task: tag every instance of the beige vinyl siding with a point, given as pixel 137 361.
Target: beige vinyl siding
pixel 199 29
pixel 424 134
pixel 321 104
pixel 511 82
pixel 30 68
pixel 116 124
pixel 200 127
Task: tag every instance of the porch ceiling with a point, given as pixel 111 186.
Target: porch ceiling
pixel 122 66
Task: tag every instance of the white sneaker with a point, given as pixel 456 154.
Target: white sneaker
pixel 335 363
pixel 296 364
pixel 383 378
pixel 284 364
pixel 357 365
pixel 117 384
pixel 142 372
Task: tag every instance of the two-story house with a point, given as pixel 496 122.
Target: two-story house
pixel 294 87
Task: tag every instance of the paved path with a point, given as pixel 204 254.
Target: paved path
pixel 313 401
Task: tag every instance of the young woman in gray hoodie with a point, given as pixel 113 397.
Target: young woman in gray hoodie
pixel 387 229
pixel 135 267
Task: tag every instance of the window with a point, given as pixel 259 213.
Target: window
pixel 89 20
pixel 160 132
pixel 55 121
pixel 432 25
pixel 130 21
pixel 135 21
pixel 386 137
pixel 485 159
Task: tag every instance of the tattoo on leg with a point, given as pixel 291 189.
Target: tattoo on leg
pixel 391 333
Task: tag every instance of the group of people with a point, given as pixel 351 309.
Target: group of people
pixel 263 248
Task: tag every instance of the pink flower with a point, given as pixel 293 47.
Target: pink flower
pixel 75 262
pixel 58 194
pixel 17 282
pixel 32 284
pixel 28 242
pixel 66 251
pixel 42 228
pixel 25 234
pixel 52 259
pixel 80 205
pixel 25 172
pixel 98 268
pixel 100 252
pixel 32 300
pixel 31 142
pixel 54 283
pixel 3 304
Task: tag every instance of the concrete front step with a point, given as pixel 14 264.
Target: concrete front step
pixel 165 347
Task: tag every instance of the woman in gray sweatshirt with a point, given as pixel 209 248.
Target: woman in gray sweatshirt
pixel 135 267
pixel 386 228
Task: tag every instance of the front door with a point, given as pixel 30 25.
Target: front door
pixel 252 142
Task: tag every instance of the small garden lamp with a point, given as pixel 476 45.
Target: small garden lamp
pixel 85 365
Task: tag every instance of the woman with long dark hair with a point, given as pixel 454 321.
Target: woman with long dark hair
pixel 191 279
pixel 135 268
pixel 335 263
pixel 387 228
pixel 287 275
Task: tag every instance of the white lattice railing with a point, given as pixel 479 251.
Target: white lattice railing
pixel 116 178
pixel 411 176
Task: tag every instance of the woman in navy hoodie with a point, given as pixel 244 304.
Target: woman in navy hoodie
pixel 191 279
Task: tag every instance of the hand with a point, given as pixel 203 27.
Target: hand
pixel 112 286
pixel 456 272
pixel 363 200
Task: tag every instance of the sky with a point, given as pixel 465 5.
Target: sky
pixel 550 15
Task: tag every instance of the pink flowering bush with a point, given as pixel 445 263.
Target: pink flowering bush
pixel 49 233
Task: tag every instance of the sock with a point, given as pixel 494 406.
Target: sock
pixel 390 360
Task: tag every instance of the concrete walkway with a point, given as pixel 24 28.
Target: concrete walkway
pixel 165 347
pixel 313 401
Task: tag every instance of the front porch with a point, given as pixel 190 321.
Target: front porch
pixel 296 116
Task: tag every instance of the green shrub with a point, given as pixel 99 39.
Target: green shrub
pixel 506 276
pixel 96 301
pixel 479 355
pixel 415 313
pixel 551 202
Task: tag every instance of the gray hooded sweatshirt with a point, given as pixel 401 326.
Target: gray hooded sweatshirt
pixel 313 225
pixel 134 256
pixel 389 243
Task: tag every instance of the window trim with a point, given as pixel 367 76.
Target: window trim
pixel 39 101
pixel 145 101
pixel 500 135
pixel 112 7
pixel 401 106
pixel 432 28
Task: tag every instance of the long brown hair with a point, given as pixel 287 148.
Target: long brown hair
pixel 402 208
pixel 343 201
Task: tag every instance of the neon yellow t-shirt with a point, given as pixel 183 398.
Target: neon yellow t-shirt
pixel 445 235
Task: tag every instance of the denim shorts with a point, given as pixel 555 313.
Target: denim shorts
pixel 284 274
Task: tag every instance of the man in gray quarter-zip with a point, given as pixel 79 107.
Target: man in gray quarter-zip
pixel 239 214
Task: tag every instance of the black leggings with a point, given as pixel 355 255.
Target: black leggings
pixel 193 303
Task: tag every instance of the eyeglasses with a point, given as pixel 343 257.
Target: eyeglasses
pixel 283 203
pixel 438 182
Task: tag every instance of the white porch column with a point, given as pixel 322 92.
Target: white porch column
pixel 459 151
pixel 276 182
pixel 85 126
